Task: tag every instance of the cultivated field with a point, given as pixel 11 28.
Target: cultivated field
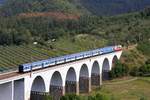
pixel 12 56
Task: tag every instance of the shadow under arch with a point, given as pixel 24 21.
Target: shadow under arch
pixel 95 74
pixel 84 79
pixel 38 88
pixel 105 69
pixel 114 60
pixel 71 81
pixel 56 86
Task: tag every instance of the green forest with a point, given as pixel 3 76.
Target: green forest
pixel 22 26
pixel 120 29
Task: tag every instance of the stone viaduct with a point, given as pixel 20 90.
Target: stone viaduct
pixel 72 77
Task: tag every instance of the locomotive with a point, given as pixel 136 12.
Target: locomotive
pixel 67 58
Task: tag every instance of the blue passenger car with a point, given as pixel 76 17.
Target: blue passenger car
pixel 25 68
pixel 63 59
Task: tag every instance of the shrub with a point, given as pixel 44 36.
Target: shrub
pixel 143 70
pixel 47 97
pixel 102 97
pixel 147 62
pixel 70 97
pixel 119 70
pixel 134 71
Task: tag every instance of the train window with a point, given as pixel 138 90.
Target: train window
pixel 27 67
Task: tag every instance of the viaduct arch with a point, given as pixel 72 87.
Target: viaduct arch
pixel 95 74
pixel 37 87
pixel 71 81
pixel 114 60
pixel 84 79
pixel 56 86
pixel 105 69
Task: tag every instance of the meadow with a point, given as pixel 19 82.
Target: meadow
pixel 124 89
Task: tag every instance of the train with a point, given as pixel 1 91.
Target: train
pixel 28 67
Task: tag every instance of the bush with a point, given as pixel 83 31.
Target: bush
pixel 47 97
pixel 134 71
pixel 119 70
pixel 147 62
pixel 102 97
pixel 143 98
pixel 143 70
pixel 70 97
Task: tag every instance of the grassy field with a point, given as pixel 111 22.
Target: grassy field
pixel 138 89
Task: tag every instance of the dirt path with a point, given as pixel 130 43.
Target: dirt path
pixel 121 82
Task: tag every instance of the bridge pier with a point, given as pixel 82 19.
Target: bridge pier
pixel 77 88
pixel 6 91
pixel 63 90
pixel 19 89
pixel 89 88
pixel 101 79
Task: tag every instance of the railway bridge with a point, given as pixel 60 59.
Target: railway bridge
pixel 77 76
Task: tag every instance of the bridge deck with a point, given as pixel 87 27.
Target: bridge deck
pixel 9 75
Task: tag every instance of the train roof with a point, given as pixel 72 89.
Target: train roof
pixel 67 56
